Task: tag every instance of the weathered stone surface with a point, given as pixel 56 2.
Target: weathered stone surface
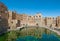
pixel 3 18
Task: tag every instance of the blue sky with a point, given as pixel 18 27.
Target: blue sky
pixel 31 7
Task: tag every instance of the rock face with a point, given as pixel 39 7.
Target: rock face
pixel 3 18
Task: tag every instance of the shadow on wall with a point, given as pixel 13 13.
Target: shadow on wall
pixel 3 26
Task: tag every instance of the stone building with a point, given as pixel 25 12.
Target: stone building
pixel 54 22
pixel 12 20
pixel 3 18
pixel 38 19
pixel 49 21
pixel 18 18
pixel 58 21
pixel 43 22
pixel 24 19
pixel 31 21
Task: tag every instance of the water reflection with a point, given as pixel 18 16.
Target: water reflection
pixel 33 34
pixel 40 34
pixel 48 32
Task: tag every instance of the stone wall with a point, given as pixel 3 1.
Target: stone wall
pixel 58 21
pixel 3 18
pixel 12 20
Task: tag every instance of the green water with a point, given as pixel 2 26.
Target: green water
pixel 3 37
pixel 40 34
pixel 30 34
